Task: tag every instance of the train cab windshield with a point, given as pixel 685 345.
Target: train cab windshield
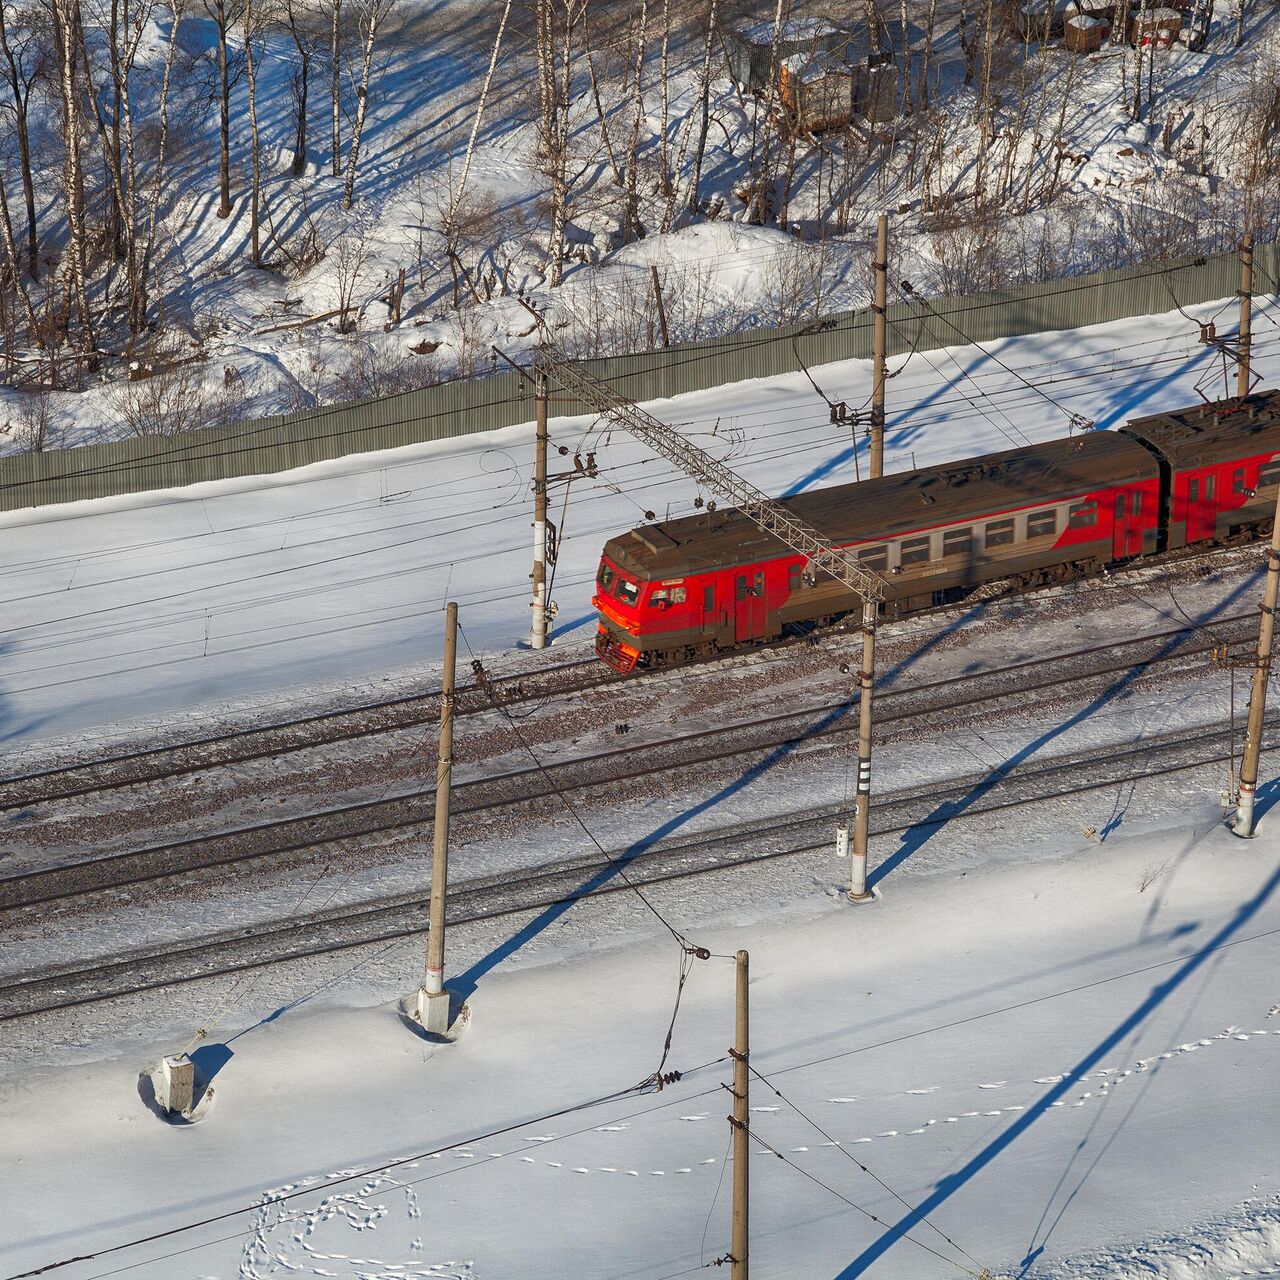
pixel 612 583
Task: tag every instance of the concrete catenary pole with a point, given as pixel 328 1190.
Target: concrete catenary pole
pixel 433 999
pixel 538 634
pixel 858 891
pixel 1242 824
pixel 1243 366
pixel 741 1134
pixel 880 349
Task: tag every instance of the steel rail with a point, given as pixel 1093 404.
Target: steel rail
pixel 258 742
pixel 561 883
pixel 914 703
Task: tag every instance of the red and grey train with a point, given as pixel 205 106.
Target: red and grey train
pixel 714 582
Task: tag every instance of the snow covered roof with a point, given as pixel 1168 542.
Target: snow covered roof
pixel 793 31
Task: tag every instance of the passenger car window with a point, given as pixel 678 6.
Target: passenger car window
pixel 1042 524
pixel 1237 480
pixel 1193 491
pixel 1082 514
pixel 874 557
pixel 1269 473
pixel 957 542
pixel 914 551
pixel 999 532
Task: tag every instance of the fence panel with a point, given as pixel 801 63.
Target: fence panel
pixel 461 408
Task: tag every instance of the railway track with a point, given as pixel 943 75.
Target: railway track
pixel 175 760
pixel 155 764
pixel 570 881
pixel 914 707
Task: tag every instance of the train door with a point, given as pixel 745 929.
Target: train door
pixel 748 606
pixel 1127 529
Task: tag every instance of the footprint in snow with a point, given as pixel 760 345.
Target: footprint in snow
pixel 766 1108
pixel 582 1171
pixel 709 1160
pixel 892 1133
pixel 999 1084
pixel 555 1164
pixel 855 1099
pixel 920 1092
pixel 1050 1079
pixel 701 1117
pixel 612 1128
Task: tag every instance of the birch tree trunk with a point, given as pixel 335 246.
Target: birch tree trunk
pixel 704 109
pixel 15 271
pixel 139 299
pixel 255 182
pixel 760 201
pixel 335 84
pixel 664 168
pixel 66 15
pixel 22 78
pixel 484 97
pixel 631 210
pixel 372 13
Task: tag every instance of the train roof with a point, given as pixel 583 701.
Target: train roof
pixel 891 505
pixel 1209 433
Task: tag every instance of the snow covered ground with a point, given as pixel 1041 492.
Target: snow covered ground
pixel 1060 1069
pixel 1058 1051
pixel 164 608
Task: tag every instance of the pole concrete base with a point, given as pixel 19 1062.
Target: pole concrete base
pixel 1242 823
pixel 430 1011
pixel 858 891
pixel 176 1085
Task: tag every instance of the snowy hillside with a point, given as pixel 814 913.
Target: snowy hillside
pixel 1042 164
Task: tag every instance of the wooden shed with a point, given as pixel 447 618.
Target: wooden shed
pixel 1158 27
pixel 1084 34
pixel 826 74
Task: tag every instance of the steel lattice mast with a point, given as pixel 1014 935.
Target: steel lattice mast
pixel 771 516
pixel 697 463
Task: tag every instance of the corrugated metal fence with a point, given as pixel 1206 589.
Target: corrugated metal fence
pixel 460 408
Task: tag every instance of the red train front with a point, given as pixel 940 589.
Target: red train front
pixel 712 582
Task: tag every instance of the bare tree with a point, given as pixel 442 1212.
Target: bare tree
pixel 22 46
pixel 254 24
pixel 631 228
pixel 704 108
pixel 352 256
pixel 301 21
pixel 556 33
pixel 335 83
pixel 371 14
pixel 140 289
pixel 226 16
pixel 66 23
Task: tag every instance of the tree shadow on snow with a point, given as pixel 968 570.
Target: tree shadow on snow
pixel 919 835
pixel 1161 992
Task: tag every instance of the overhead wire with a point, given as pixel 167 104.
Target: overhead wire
pixel 344 1179
pixel 866 1213
pixel 902 1200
